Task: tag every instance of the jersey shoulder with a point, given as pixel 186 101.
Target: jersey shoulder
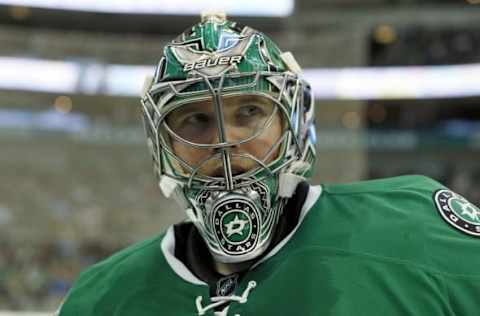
pixel 114 277
pixel 408 198
pixel 417 183
pixel 406 219
pixel 419 197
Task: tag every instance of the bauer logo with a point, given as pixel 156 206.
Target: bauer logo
pixel 213 62
pixel 458 212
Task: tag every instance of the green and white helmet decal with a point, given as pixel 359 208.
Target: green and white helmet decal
pixel 229 123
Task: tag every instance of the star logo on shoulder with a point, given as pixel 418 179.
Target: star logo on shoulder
pixel 458 212
pixel 470 210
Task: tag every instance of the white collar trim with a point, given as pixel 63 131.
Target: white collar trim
pixel 168 249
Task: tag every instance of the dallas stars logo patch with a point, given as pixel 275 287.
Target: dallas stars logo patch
pixel 458 212
pixel 236 226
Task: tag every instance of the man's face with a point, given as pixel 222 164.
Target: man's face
pixel 244 117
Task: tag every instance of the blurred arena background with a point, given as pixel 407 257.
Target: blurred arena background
pixel 397 85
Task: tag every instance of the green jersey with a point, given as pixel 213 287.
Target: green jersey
pixel 400 246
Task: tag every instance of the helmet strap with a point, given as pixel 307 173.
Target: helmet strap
pixel 288 183
pixel 168 185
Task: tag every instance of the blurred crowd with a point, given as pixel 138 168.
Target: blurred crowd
pixel 36 276
pixel 66 207
pixel 467 184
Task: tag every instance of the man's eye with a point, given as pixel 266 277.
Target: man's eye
pixel 194 127
pixel 196 119
pixel 251 110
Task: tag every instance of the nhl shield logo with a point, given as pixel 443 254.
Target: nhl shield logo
pixel 227 285
pixel 236 226
pixel 458 212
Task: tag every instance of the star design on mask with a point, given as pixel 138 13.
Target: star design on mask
pixel 235 226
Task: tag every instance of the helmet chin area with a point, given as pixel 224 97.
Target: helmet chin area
pixel 237 225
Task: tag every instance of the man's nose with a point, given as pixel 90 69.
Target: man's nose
pixel 231 134
pixel 234 133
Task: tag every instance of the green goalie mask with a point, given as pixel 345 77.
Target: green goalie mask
pixel 230 127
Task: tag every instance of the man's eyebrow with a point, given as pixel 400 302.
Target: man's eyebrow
pixel 187 109
pixel 203 106
pixel 252 98
pixel 192 107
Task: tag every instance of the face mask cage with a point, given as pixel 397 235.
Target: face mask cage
pixel 283 91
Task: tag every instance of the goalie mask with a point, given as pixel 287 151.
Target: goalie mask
pixel 229 124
